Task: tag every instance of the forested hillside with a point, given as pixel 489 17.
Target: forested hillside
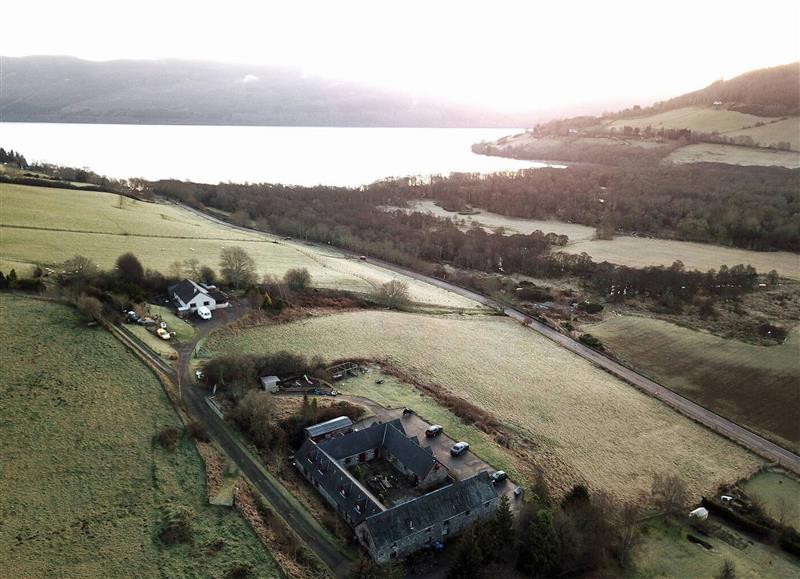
pixel 767 92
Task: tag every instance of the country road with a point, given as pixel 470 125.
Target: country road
pixel 710 419
pixel 194 398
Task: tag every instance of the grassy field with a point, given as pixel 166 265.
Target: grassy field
pixel 732 155
pixel 394 393
pixel 83 486
pixel 698 119
pixel 640 252
pixel 48 226
pixel 780 494
pixel 666 552
pixel 492 221
pixel 754 385
pixel 787 131
pixel 587 425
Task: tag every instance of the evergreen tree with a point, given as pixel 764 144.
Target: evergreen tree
pixel 540 547
pixel 12 279
pixel 469 557
pixel 3 281
pixel 501 532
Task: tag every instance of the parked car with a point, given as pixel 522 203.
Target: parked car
pixel 333 393
pixel 163 334
pixel 459 448
pixel 518 492
pixel 204 312
pixel 498 476
pixel 433 431
pixel 199 374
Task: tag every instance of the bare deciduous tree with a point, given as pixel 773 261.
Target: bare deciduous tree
pixel 669 494
pixel 394 293
pixel 237 267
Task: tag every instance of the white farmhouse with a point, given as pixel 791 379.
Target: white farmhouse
pixel 188 296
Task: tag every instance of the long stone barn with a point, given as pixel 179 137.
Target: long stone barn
pixel 394 532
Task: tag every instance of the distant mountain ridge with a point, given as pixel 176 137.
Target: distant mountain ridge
pixel 66 89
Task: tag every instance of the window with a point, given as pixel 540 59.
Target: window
pixel 206 303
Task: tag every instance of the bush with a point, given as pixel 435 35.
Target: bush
pixel 591 341
pixel 197 431
pixel 90 307
pixel 393 293
pixel 590 307
pixel 297 280
pixel 252 415
pixel 176 526
pixel 167 438
pixel 239 571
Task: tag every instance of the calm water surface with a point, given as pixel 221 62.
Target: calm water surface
pixel 289 155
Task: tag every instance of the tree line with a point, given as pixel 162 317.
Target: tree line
pixel 748 207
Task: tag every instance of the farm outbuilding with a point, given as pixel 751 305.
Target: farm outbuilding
pixel 329 428
pixel 397 530
pixel 270 383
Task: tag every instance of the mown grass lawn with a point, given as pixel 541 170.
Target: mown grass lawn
pixel 83 486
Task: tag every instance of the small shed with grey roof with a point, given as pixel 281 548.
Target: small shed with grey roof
pixel 270 383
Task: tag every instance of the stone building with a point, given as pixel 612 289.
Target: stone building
pixel 397 531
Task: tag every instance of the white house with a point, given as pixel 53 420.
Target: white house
pixel 188 296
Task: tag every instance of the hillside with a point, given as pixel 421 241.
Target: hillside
pixel 753 119
pixel 771 91
pixel 65 89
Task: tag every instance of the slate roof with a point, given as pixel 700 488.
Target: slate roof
pixel 388 527
pixel 185 290
pixel 217 296
pixel 391 438
pixel 353 501
pixel 328 426
pixel 416 458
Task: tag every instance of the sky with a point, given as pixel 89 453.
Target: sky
pixel 508 55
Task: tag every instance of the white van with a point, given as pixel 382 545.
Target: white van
pixel 204 312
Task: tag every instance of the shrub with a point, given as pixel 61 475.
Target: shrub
pixel 90 307
pixel 591 341
pixel 298 279
pixel 393 293
pixel 176 526
pixel 239 571
pixel 167 438
pixel 590 307
pixel 197 431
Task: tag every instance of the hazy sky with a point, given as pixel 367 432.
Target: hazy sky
pixel 509 55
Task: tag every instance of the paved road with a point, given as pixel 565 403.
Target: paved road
pixel 194 398
pixel 727 428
